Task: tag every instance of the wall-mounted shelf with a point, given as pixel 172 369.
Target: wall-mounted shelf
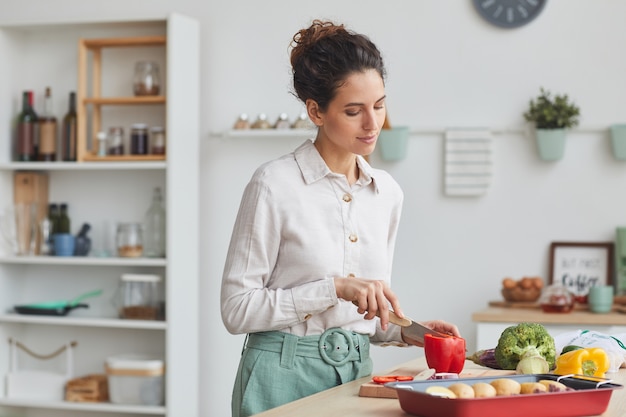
pixel 84 261
pixel 83 166
pixel 85 322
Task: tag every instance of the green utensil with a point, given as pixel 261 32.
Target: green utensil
pixel 64 303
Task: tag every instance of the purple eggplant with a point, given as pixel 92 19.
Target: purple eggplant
pixel 485 357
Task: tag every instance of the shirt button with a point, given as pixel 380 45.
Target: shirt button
pixel 347 198
pixel 308 316
pixel 351 275
pixel 353 238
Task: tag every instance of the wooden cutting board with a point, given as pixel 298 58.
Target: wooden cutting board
pixel 372 389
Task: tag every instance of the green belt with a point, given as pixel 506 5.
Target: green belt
pixel 335 346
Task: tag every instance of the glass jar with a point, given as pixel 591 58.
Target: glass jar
pixel 139 297
pixel 129 240
pixel 139 139
pixel 146 81
pixel 157 142
pixel 556 299
pixel 115 141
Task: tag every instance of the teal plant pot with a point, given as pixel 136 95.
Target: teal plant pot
pixel 393 143
pixel 618 141
pixel 551 143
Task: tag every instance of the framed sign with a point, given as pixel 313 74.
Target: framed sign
pixel 580 265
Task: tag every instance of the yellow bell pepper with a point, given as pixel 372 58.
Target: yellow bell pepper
pixel 585 361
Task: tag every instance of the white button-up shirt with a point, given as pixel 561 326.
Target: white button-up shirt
pixel 300 225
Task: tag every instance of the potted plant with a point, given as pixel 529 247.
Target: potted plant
pixel 551 117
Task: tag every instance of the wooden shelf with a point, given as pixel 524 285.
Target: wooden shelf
pixel 124 42
pixel 122 101
pixel 122 158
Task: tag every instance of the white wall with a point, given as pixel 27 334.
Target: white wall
pixel 446 68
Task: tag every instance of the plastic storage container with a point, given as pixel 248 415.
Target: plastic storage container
pixel 135 379
pixel 139 297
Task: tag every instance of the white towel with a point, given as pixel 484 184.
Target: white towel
pixel 468 166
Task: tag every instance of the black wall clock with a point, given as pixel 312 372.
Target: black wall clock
pixel 509 13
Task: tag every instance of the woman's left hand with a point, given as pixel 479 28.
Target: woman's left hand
pixel 437 325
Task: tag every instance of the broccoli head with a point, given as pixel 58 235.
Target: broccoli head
pixel 522 341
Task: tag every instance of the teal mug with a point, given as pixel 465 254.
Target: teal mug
pixel 600 298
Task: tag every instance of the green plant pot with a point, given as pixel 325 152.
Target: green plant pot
pixel 618 141
pixel 551 143
pixel 393 143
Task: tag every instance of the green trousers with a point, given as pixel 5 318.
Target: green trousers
pixel 276 367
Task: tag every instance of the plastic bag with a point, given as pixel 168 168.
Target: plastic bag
pixel 613 345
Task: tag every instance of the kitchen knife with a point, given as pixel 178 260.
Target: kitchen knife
pixel 411 329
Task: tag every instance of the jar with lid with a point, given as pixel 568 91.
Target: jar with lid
pixel 242 122
pixel 157 140
pixel 282 122
pixel 302 122
pixel 146 81
pixel 129 240
pixel 139 139
pixel 139 297
pixel 115 141
pixel 261 122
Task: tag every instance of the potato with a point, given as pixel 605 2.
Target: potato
pixel 553 386
pixel 439 391
pixel 532 388
pixel 506 386
pixel 461 390
pixel 483 390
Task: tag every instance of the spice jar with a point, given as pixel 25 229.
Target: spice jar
pixel 157 143
pixel 129 240
pixel 282 122
pixel 242 122
pixel 115 141
pixel 139 297
pixel 146 80
pixel 261 122
pixel 139 139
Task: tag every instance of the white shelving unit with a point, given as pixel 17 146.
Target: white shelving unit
pixel 102 193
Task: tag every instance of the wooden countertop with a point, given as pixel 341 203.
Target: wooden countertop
pixel 344 400
pixel 514 315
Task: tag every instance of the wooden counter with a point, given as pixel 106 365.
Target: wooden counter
pixel 344 400
pixel 491 321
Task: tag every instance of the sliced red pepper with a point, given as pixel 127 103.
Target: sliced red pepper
pixel 383 379
pixel 445 354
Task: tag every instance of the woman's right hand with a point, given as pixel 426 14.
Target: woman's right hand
pixel 373 297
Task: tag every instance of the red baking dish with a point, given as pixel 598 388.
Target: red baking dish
pixel 588 398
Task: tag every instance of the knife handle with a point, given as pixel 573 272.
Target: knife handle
pixel 393 318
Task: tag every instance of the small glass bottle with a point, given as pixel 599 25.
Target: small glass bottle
pixel 63 225
pixel 146 80
pixel 129 240
pixel 115 140
pixel 27 130
pixel 139 139
pixel 102 144
pixel 157 140
pixel 139 297
pixel 154 227
pixel 47 130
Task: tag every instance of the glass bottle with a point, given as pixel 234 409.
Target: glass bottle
pixel 26 129
pixel 102 144
pixel 116 141
pixel 146 81
pixel 154 227
pixel 68 148
pixel 53 215
pixel 47 130
pixel 64 220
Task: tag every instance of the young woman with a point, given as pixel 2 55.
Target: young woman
pixel 315 235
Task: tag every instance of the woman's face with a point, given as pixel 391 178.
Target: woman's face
pixel 353 119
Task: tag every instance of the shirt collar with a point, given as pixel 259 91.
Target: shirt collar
pixel 314 168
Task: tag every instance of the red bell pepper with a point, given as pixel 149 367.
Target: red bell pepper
pixel 445 354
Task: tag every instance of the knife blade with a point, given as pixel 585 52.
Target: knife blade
pixel 411 329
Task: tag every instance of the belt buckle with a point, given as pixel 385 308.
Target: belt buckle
pixel 334 349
